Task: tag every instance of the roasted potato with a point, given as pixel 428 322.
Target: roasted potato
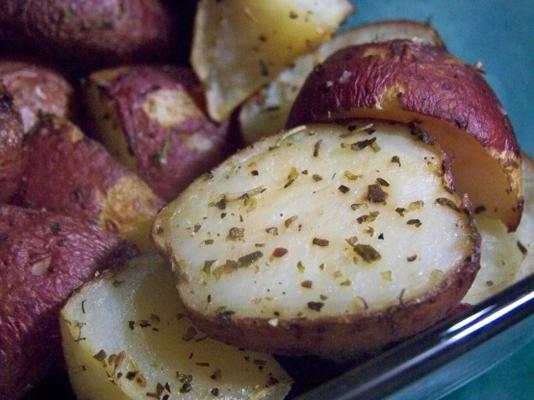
pixel 326 239
pixel 266 112
pixel 36 89
pixel 423 84
pixel 153 120
pixel 87 32
pixel 43 258
pixel 12 155
pixel 154 351
pixel 507 257
pixel 240 45
pixel 74 175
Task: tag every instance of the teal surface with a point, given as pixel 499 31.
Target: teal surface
pixel 499 33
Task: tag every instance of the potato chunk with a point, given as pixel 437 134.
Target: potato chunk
pixel 240 45
pixel 326 239
pixel 143 343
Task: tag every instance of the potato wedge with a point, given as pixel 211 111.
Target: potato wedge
pixel 12 155
pixel 43 258
pixel 266 112
pixel 75 175
pixel 507 257
pixel 87 33
pixel 326 239
pixel 36 89
pixel 152 119
pixel 154 350
pixel 410 82
pixel 240 45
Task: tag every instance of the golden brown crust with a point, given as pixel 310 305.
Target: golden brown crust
pixel 407 81
pixel 43 258
pixel 95 31
pixel 75 175
pixel 36 89
pixel 159 114
pixel 12 156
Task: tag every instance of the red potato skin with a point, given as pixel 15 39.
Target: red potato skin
pixel 148 139
pixel 441 86
pixel 88 31
pixel 73 174
pixel 12 155
pixel 66 175
pixel 36 89
pixel 44 257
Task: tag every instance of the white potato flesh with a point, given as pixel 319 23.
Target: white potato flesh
pixel 266 112
pixel 240 45
pixel 266 233
pixel 125 336
pixel 507 257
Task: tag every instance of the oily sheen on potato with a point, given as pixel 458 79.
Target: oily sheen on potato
pixel 143 346
pixel 326 239
pixel 266 112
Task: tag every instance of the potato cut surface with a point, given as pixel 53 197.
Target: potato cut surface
pixel 240 45
pixel 321 221
pixel 266 112
pixel 125 336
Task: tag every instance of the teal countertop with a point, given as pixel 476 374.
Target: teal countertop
pixel 499 33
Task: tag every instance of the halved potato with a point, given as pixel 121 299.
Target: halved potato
pixel 423 84
pixel 240 45
pixel 266 112
pixel 507 257
pixel 143 346
pixel 326 239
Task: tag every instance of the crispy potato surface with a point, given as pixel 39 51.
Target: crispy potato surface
pixel 43 258
pixel 419 83
pixel 152 119
pixel 266 112
pixel 36 89
pixel 88 32
pixel 72 174
pixel 154 348
pixel 326 239
pixel 12 155
pixel 240 45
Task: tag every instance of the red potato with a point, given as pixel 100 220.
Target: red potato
pixel 75 175
pixel 36 89
pixel 422 84
pixel 90 31
pixel 326 239
pixel 44 257
pixel 12 156
pixel 152 119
